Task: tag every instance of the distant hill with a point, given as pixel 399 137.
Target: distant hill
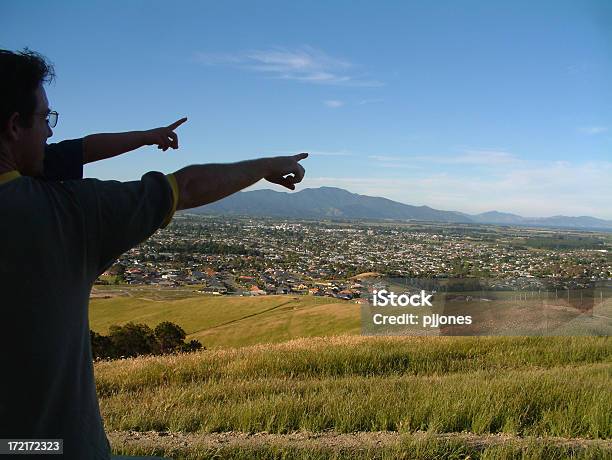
pixel 581 222
pixel 332 202
pixel 324 202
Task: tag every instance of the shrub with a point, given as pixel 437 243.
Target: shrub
pixel 133 339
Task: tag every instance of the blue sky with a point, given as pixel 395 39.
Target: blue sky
pixel 459 105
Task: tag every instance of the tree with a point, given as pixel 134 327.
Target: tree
pixel 133 339
pixel 193 345
pixel 169 336
pixel 101 346
pixel 139 339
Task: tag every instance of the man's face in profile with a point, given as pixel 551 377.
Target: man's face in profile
pixel 30 147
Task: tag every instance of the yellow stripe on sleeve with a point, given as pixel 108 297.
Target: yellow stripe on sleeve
pixel 9 176
pixel 175 199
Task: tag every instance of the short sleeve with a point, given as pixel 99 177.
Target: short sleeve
pixel 64 160
pixel 120 215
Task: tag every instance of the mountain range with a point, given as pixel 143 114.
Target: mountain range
pixel 336 203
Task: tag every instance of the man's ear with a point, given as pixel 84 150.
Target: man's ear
pixel 13 129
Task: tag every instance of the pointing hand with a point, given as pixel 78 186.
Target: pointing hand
pixel 286 171
pixel 164 137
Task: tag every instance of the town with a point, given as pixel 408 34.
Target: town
pixel 258 256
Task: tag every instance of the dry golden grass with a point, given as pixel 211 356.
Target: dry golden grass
pixel 540 386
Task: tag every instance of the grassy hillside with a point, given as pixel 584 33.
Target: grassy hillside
pixel 220 321
pixel 253 394
pixel 554 388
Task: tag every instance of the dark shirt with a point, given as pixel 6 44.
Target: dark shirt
pixel 64 160
pixel 56 238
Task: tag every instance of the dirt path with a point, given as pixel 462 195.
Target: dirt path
pixel 330 440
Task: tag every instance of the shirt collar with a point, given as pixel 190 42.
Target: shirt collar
pixel 9 176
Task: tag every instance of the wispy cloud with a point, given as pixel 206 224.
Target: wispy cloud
pixel 369 101
pixel 386 158
pixel 591 130
pixel 398 165
pixel 305 64
pixel 482 157
pixel 334 104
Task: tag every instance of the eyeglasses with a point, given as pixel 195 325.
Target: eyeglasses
pixel 51 119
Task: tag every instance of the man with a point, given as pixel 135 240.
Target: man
pixel 56 238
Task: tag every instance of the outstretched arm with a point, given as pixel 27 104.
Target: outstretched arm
pixel 101 146
pixel 202 184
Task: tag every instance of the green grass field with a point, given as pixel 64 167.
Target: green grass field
pixel 223 321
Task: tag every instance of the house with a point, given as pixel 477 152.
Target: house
pixel 254 290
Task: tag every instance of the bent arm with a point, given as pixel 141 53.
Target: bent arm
pixel 203 184
pixel 107 145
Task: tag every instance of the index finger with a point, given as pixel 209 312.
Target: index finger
pixel 177 123
pixel 301 156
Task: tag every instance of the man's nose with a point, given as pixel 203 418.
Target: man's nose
pixel 49 132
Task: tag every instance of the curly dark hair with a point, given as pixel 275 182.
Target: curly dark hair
pixel 20 75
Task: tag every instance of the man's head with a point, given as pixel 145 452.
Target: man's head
pixel 24 109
